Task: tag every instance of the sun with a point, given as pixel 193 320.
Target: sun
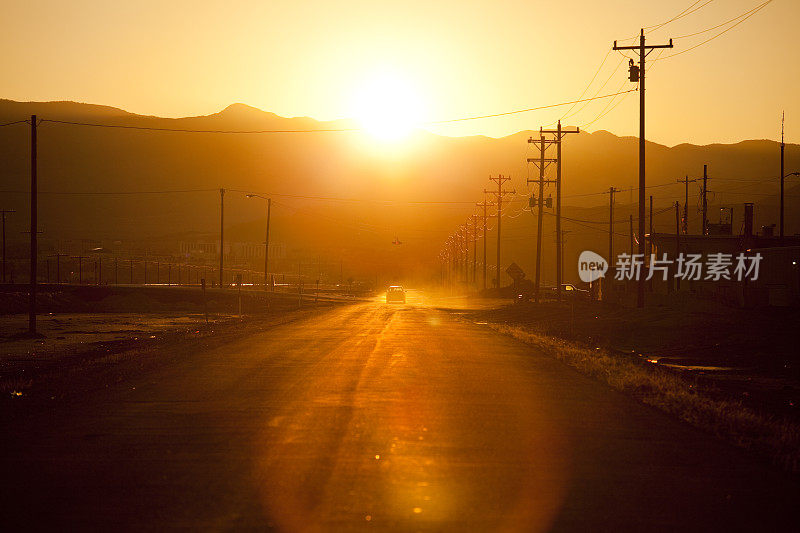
pixel 387 105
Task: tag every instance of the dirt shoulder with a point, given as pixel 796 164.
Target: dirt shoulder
pixel 728 371
pixel 82 352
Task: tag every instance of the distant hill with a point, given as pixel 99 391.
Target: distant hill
pixel 376 179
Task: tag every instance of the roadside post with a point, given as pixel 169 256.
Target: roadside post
pixel 239 293
pixel 517 274
pixel 205 303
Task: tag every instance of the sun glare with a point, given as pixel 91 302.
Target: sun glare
pixel 388 106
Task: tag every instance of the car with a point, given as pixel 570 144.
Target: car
pixel 395 293
pixel 571 290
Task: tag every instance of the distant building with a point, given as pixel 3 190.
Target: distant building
pixel 778 282
pixel 239 252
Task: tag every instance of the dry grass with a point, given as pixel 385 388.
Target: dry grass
pixel 773 437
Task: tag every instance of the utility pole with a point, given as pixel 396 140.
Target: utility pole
pixel 563 240
pixel 704 226
pixel 650 233
pixel 465 228
pixel 34 230
pixel 631 232
pixel 541 163
pixel 484 205
pixel 677 239
pixel 559 133
pixel 58 257
pixel 611 191
pixel 783 146
pixel 500 180
pixel 686 181
pixel 4 212
pixel 638 74
pixel 266 247
pixel 221 234
pixel 80 259
pixel 474 249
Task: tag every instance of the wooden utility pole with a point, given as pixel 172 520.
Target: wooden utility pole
pixel 484 205
pixel 473 237
pixel 559 132
pixel 465 231
pixel 686 181
pixel 500 180
pixel 541 163
pixel 80 259
pixel 34 230
pixel 611 191
pixel 638 74
pixel 704 225
pixel 631 232
pixel 650 232
pixel 266 246
pixel 221 235
pixel 58 257
pixel 677 239
pixel 4 212
pixel 783 147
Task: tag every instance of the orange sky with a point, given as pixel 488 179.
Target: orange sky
pixel 460 58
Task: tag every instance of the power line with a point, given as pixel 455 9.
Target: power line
pixel 185 130
pixel 603 62
pixel 619 90
pixel 15 122
pixel 357 200
pixel 754 11
pixel 526 110
pixel 107 193
pixel 686 12
pixel 759 6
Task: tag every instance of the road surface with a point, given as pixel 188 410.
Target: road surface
pixel 377 417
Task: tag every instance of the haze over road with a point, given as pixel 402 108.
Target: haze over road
pixel 377 417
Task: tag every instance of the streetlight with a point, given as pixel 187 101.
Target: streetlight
pixel 266 241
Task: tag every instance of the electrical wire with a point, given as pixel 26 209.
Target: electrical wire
pixel 603 62
pixel 185 130
pixel 759 6
pixel 686 12
pixel 15 122
pixel 753 12
pixel 108 193
pixel 524 110
pixel 618 92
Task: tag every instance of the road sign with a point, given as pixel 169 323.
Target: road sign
pixel 515 272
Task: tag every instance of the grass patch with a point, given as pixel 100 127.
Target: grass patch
pixel 773 437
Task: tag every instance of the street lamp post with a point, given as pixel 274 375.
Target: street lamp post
pixel 266 240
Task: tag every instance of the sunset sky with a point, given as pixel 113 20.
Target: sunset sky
pixel 452 59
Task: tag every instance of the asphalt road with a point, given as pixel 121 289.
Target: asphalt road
pixel 376 417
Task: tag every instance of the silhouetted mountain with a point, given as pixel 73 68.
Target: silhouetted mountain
pixel 378 179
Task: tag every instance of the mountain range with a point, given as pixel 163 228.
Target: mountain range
pixel 342 195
